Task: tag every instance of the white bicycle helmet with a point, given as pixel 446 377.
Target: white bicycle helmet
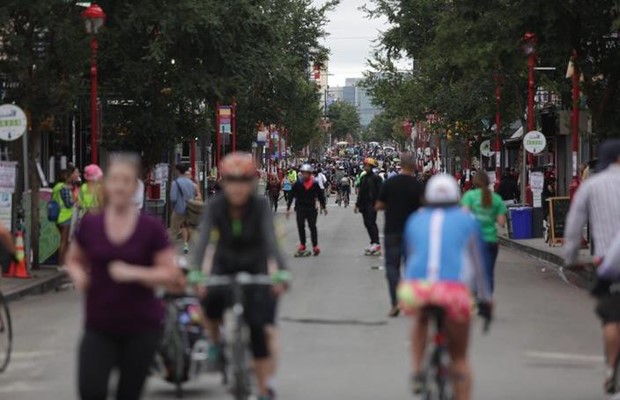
pixel 306 168
pixel 442 189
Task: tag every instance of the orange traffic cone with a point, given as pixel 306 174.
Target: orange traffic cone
pixel 19 269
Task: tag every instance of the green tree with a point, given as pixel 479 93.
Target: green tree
pixel 344 120
pixel 456 78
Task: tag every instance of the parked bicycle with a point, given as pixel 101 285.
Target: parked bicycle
pixel 236 364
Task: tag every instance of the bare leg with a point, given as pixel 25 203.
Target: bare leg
pixel 611 340
pixel 419 340
pixel 64 243
pixel 265 368
pixel 458 341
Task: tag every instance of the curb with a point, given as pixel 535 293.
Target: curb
pixel 37 286
pixel 581 276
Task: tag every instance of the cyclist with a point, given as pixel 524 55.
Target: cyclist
pixel 596 202
pixel 370 188
pixel 444 258
pixel 344 189
pixel 306 192
pixel 238 235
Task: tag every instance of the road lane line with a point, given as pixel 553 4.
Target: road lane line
pixel 564 356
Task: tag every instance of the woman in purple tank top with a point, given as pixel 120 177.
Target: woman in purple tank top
pixel 117 258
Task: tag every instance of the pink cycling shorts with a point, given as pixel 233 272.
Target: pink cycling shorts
pixel 455 298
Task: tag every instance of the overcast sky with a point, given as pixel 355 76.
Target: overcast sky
pixel 350 40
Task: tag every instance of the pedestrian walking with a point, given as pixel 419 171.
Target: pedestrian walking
pixel 118 258
pixel 596 202
pixel 400 196
pixel 287 184
pixel 490 211
pixel 63 195
pixel 181 192
pixel 272 191
pixel 306 192
pixel 90 195
pixel 370 188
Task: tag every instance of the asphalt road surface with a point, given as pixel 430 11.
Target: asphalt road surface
pixel 337 342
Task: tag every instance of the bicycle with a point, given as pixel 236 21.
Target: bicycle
pixel 437 367
pixel 236 368
pixel 6 334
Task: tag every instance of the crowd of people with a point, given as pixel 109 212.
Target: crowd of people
pixel 440 243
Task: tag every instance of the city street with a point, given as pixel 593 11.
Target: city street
pixel 337 342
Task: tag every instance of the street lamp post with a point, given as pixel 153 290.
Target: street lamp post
pixel 529 47
pixel 94 18
pixel 574 183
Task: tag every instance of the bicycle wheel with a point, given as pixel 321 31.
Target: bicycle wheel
pixel 6 334
pixel 239 367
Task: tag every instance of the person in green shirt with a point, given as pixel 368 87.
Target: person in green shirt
pixel 490 211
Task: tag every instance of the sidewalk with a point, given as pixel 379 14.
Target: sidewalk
pixel 45 279
pixel 553 255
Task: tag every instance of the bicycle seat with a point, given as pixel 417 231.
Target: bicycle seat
pixel 435 312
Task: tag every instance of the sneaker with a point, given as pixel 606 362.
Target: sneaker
pixel 418 384
pixel 316 250
pixel 394 311
pixel 301 248
pixel 609 385
pixel 375 248
pixel 185 248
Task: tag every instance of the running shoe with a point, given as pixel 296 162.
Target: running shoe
pixel 316 250
pixel 185 248
pixel 418 384
pixel 301 248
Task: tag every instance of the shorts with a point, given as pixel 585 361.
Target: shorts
pixel 177 221
pixel 455 298
pixel 260 309
pixel 608 308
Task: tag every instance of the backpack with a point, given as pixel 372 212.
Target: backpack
pixel 53 210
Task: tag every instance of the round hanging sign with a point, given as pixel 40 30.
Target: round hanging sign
pixel 534 142
pixel 485 148
pixel 13 122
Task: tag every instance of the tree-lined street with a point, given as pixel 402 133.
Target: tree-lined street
pixel 337 342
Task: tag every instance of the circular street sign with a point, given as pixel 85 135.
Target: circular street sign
pixel 534 142
pixel 485 148
pixel 13 122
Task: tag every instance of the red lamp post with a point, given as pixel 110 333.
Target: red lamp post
pixel 574 183
pixel 529 47
pixel 94 18
pixel 498 124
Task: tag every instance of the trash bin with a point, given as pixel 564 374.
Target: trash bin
pixel 521 222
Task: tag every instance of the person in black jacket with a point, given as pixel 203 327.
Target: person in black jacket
pixel 306 191
pixel 508 187
pixel 370 188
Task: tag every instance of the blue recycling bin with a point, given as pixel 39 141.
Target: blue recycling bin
pixel 521 218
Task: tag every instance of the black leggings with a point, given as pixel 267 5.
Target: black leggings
pixel 310 215
pixel 370 222
pixel 100 352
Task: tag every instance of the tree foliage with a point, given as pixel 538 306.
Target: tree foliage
pixel 164 64
pixel 344 120
pixel 461 47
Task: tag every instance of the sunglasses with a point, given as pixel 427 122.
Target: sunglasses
pixel 238 179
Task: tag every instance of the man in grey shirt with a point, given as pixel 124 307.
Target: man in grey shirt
pixel 598 201
pixel 181 191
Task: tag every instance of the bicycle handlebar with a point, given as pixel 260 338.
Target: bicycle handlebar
pixel 241 278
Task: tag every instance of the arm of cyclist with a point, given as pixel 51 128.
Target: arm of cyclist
pixel 163 272
pixel 275 260
pixel 576 219
pixel 610 266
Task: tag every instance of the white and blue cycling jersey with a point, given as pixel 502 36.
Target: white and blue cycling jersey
pixel 444 244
